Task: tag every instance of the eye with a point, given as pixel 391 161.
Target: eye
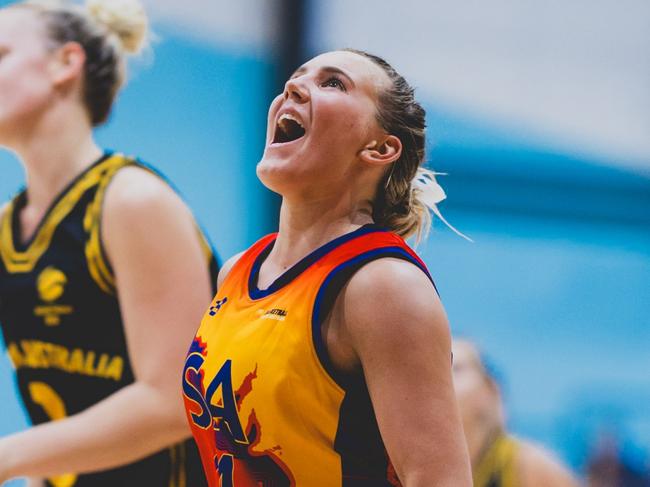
pixel 333 82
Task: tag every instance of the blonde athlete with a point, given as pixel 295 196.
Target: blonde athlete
pixel 314 367
pixel 102 269
pixel 498 459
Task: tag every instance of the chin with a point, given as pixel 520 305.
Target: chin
pixel 271 173
pixel 280 175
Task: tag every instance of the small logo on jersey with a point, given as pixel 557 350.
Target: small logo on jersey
pixel 50 285
pixel 217 306
pixel 277 314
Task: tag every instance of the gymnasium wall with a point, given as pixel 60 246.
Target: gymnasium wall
pixel 540 114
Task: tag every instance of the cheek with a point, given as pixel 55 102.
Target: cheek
pixel 270 118
pixel 342 134
pixel 467 386
pixel 24 86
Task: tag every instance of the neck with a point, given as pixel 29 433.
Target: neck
pixel 58 148
pixel 479 439
pixel 307 225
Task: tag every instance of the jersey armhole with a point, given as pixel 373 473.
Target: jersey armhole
pixel 330 289
pixel 96 256
pixel 98 263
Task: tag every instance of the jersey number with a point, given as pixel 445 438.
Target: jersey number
pixel 43 395
pixel 225 466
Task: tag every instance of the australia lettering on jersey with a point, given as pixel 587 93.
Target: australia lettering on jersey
pixel 217 413
pixel 36 354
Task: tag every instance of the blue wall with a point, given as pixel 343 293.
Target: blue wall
pixel 554 289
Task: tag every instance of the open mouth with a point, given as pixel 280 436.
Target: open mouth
pixel 287 129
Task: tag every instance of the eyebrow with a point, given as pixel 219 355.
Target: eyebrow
pixel 326 69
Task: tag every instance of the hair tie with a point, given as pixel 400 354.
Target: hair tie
pixel 430 193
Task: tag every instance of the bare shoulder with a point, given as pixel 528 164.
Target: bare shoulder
pixel 226 268
pixel 142 214
pixel 392 291
pixel 135 188
pixel 539 468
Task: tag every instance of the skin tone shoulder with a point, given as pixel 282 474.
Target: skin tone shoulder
pixel 387 322
pixel 482 413
pixel 151 241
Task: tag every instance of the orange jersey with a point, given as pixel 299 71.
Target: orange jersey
pixel 265 406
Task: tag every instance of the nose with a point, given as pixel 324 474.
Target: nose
pixel 294 89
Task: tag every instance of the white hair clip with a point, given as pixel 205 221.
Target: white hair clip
pixel 431 193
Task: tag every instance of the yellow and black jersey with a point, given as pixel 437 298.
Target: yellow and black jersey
pixel 264 402
pixel 497 467
pixel 62 326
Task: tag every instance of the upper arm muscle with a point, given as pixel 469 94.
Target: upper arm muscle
pixel 398 329
pixel 161 276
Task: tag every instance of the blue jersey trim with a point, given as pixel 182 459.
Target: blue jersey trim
pixel 323 306
pixel 255 293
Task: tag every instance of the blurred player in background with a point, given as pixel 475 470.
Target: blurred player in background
pixel 103 271
pixel 313 366
pixel 498 459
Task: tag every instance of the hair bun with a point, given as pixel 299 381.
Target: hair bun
pixel 125 18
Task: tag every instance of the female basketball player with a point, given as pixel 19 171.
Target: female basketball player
pixel 101 264
pixel 325 357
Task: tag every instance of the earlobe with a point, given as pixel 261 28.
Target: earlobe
pixel 68 63
pixel 382 153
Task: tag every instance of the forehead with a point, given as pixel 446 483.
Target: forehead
pixel 18 25
pixel 360 69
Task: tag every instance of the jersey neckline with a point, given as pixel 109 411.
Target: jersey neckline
pixel 20 201
pixel 299 267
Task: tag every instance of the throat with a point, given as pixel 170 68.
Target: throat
pixel 269 273
pixel 28 221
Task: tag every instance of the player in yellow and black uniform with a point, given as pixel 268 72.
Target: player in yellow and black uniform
pixel 497 466
pixel 103 271
pixel 62 324
pixel 498 459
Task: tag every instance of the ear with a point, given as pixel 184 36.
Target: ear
pixel 383 152
pixel 67 64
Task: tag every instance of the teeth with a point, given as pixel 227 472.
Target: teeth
pixel 288 129
pixel 288 116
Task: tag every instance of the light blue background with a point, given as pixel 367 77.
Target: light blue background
pixel 555 288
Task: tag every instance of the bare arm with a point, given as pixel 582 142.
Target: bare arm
pixel 538 468
pixel 399 332
pixel 163 288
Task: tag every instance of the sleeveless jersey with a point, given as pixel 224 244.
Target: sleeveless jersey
pixel 497 467
pixel 62 326
pixel 265 406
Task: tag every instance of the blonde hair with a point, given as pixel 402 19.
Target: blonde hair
pixel 408 191
pixel 107 30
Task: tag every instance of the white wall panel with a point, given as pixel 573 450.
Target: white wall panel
pixel 573 75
